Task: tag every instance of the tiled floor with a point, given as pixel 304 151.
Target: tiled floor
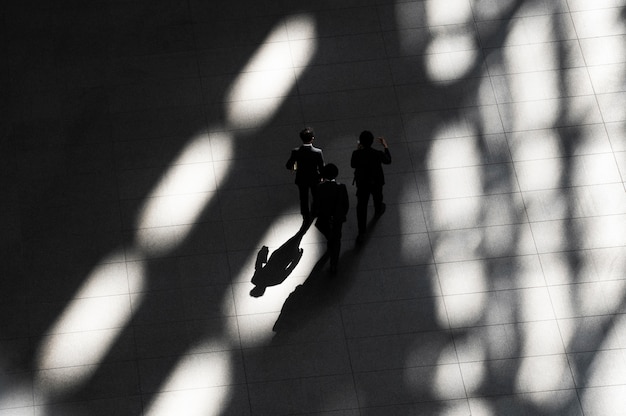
pixel 142 155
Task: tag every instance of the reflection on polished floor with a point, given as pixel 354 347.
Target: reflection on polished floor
pixel 142 157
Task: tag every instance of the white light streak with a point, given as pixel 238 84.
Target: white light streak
pixel 452 52
pixel 86 329
pixel 178 199
pixel 447 153
pixel 543 373
pixel 604 401
pixel 466 310
pixel 198 386
pixel 444 66
pixel 481 407
pixel 257 93
pixel 449 12
pixel 531 86
pixel 540 174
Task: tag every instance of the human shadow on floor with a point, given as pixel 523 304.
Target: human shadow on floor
pixel 321 290
pixel 274 271
pixel 306 299
pixel 363 238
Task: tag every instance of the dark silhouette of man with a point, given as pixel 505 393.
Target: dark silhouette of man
pixel 331 206
pixel 307 161
pixel 369 178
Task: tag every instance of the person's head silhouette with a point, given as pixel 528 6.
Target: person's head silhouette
pixel 307 135
pixel 330 171
pixel 366 138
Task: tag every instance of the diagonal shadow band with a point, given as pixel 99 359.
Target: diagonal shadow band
pixel 319 291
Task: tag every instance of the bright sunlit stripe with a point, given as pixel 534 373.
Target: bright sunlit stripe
pixel 531 29
pixel 445 66
pixel 543 373
pixel 545 55
pixel 458 278
pixel 466 310
pixel 198 386
pixel 178 199
pixel 540 174
pixel 193 402
pixel 258 92
pixel 452 153
pixel 86 329
pixel 604 401
pixel 599 23
pixel 459 154
pixel 452 52
pixel 482 407
pixel 532 86
pixel 604 50
pixel 449 12
pixel 474 375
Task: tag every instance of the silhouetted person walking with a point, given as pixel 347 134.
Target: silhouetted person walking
pixel 369 177
pixel 331 206
pixel 308 161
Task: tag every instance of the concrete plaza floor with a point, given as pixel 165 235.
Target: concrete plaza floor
pixel 142 153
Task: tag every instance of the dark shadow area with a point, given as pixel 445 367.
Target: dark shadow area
pixel 306 300
pixel 274 271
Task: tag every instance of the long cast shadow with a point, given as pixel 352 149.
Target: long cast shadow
pixel 274 271
pixel 321 289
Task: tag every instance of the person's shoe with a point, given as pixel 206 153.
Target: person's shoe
pixel 379 213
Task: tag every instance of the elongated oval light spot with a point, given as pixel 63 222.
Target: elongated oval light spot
pixel 86 329
pixel 199 385
pixel 271 73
